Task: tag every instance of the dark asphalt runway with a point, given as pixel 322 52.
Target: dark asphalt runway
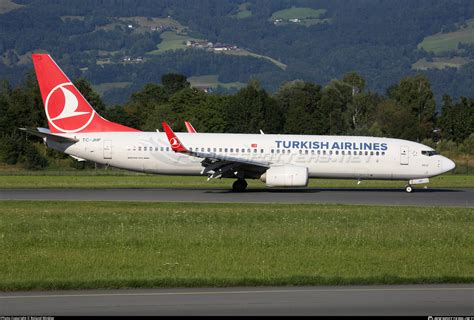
pixel 420 197
pixel 424 300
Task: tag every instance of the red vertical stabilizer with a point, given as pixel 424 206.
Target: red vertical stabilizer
pixel 66 109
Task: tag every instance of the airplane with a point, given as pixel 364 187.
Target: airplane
pixel 279 160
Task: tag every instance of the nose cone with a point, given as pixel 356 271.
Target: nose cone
pixel 448 164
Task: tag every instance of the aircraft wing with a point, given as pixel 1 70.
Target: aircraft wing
pixel 217 166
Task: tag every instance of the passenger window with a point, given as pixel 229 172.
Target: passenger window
pixel 167 149
pixel 330 152
pixel 254 150
pixel 306 152
pixel 371 153
pixel 231 149
pixel 273 151
pixel 139 148
pixel 342 152
pixel 225 150
pixel 377 153
pixel 324 152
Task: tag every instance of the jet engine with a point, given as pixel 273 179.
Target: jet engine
pixel 286 176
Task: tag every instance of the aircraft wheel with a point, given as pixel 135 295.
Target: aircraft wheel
pixel 408 189
pixel 239 185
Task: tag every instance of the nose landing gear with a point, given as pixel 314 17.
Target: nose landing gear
pixel 239 185
pixel 408 188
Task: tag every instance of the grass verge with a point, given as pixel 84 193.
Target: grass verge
pixel 120 179
pixel 79 245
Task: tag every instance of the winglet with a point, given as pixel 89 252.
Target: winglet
pixel 176 145
pixel 189 127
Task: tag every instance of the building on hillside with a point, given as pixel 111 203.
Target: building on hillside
pixel 206 89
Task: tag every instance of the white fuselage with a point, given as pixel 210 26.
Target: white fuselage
pixel 324 156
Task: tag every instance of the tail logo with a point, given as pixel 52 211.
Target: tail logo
pixel 64 110
pixel 174 142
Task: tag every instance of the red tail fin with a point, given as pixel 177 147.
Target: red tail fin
pixel 189 127
pixel 66 109
pixel 176 145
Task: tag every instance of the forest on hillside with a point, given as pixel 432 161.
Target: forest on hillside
pixel 377 39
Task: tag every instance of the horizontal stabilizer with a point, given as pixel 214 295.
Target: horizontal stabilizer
pixel 44 133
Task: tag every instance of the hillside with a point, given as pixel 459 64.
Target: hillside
pixel 122 45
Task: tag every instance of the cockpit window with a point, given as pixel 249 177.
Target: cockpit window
pixel 429 153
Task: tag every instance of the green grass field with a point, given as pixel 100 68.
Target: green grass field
pixel 212 81
pixel 440 63
pixel 9 5
pixel 441 42
pixel 103 87
pixel 119 179
pixel 297 12
pixel 170 40
pixel 244 11
pixel 307 16
pixel 53 245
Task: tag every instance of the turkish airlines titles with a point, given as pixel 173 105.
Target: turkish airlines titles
pixel 370 146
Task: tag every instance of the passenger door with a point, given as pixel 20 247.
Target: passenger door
pixel 404 155
pixel 107 149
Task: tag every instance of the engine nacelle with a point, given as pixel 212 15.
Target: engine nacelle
pixel 286 176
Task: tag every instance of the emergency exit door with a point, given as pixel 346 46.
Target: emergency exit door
pixel 404 155
pixel 107 149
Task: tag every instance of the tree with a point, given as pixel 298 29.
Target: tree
pixel 301 104
pixel 250 110
pixel 143 103
pixel 335 100
pixel 361 112
pixel 415 94
pixel 355 81
pixel 457 120
pixel 33 159
pixel 173 82
pixel 395 121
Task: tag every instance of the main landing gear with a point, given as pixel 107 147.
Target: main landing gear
pixel 239 185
